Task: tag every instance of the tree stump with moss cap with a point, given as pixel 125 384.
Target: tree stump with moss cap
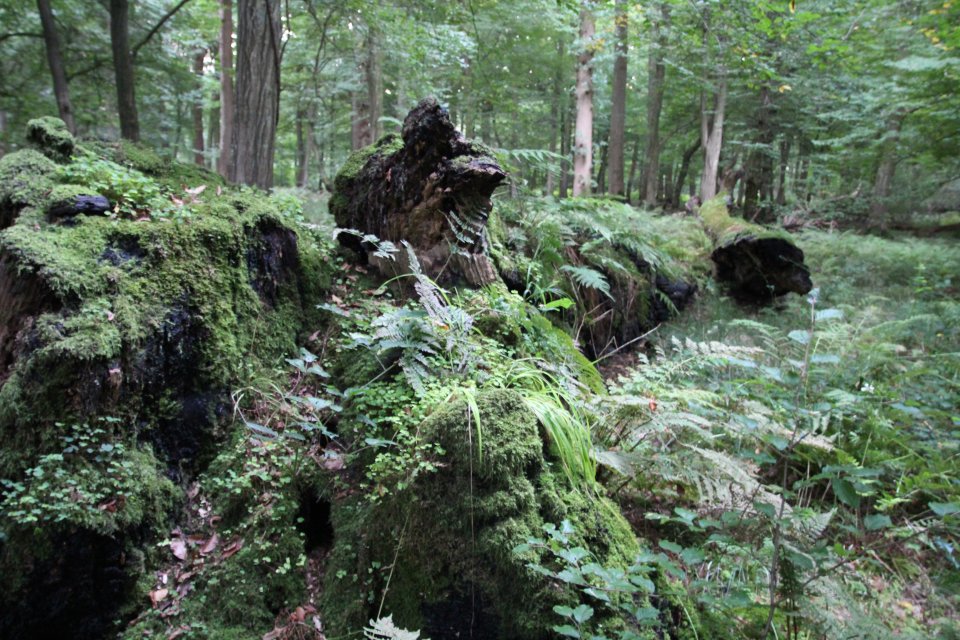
pixel 430 187
pixel 756 264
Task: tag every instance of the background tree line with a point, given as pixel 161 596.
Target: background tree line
pixel 844 106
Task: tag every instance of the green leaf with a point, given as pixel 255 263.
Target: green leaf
pixel 845 492
pixel 828 314
pixel 944 509
pixel 560 303
pixel 566 612
pixel 583 613
pixel 876 522
pixel 672 547
pixel 799 335
pixel 567 630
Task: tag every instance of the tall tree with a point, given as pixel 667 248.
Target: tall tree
pixel 366 101
pixel 227 103
pixel 197 109
pixel 618 106
pixel 123 69
pixel 51 40
pixel 583 130
pixel 257 106
pixel 656 73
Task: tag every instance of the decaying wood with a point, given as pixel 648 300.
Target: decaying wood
pixel 430 187
pixel 756 264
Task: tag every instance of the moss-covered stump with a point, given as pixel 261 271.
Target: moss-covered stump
pixel 121 338
pixel 756 264
pixel 449 544
pixel 430 187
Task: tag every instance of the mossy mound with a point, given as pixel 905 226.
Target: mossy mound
pixel 450 540
pixel 150 315
pixel 52 137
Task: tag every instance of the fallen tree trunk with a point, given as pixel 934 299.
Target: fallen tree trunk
pixel 754 263
pixel 430 187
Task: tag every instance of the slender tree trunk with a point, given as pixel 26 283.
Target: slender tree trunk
pixel 213 131
pixel 557 110
pixel 306 114
pixel 565 151
pixel 618 107
pixel 198 110
pixel 3 133
pixel 225 164
pixel 123 69
pixel 602 170
pixel 374 80
pixel 634 161
pixel 784 163
pixel 52 41
pixel 366 104
pixel 887 166
pixel 583 136
pixel 711 136
pixel 258 90
pixel 688 154
pixel 656 73
pixel 758 180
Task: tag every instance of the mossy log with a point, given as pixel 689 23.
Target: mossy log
pixel 429 187
pixel 754 263
pixel 148 320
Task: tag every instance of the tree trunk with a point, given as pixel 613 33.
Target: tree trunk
pixel 306 114
pixel 258 90
pixel 567 117
pixel 583 133
pixel 225 164
pixel 758 180
pixel 366 104
pixel 618 107
pixel 688 154
pixel 123 69
pixel 711 137
pixel 431 188
pixel 198 110
pixel 887 166
pixel 754 264
pixel 634 161
pixel 784 163
pixel 656 72
pixel 52 42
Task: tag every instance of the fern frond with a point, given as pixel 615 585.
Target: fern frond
pixel 589 278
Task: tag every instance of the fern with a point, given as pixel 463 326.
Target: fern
pixel 589 278
pixel 385 629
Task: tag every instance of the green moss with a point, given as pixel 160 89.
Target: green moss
pixel 51 136
pixel 495 490
pixel 726 230
pixel 25 179
pixel 385 146
pixel 140 157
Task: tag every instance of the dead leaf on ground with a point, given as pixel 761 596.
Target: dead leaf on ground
pixel 210 545
pixel 179 548
pixel 158 596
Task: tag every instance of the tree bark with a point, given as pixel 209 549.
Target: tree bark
pixel 887 166
pixel 306 114
pixel 258 91
pixel 367 103
pixel 634 161
pixel 758 181
pixel 656 73
pixel 51 40
pixel 225 165
pixel 618 107
pixel 197 110
pixel 784 163
pixel 583 132
pixel 123 69
pixel 711 136
pixel 431 188
pixel 688 154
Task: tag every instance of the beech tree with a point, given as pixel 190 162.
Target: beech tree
pixel 583 131
pixel 258 91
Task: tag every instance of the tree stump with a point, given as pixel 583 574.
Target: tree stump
pixel 429 187
pixel 755 264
